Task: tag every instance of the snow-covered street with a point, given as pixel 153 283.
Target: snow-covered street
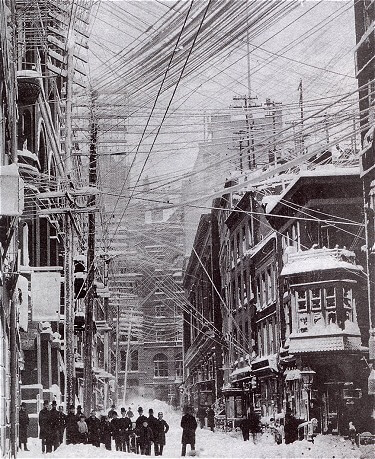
pixel 216 444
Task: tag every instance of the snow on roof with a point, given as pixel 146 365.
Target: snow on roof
pixel 328 170
pixel 239 371
pixel 318 263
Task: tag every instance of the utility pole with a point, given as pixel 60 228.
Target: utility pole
pixel 69 395
pixel 127 358
pixel 300 89
pixel 117 352
pixel 89 329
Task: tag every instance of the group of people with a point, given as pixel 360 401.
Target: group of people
pixel 128 436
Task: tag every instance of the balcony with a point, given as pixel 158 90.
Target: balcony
pixel 29 86
pixel 328 338
pixel 318 260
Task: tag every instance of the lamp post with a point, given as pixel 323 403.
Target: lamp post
pixel 308 379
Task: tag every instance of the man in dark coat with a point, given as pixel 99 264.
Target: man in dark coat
pixel 159 437
pixel 189 426
pixel 79 412
pixel 54 426
pixel 211 419
pixel 116 431
pixel 44 428
pixel 145 437
pixel 106 432
pixel 93 425
pixel 61 424
pixel 152 424
pixel 71 426
pixel 126 427
pixel 23 419
pixel 138 424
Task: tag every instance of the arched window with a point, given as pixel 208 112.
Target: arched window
pixel 160 365
pixel 42 152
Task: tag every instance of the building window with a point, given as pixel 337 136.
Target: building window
pixel 159 310
pixel 134 360
pixel 301 300
pixel 264 289
pixel 160 365
pixel 315 298
pixel 269 285
pixel 239 286
pixel 348 302
pixel 259 295
pixel 330 298
pixel 179 366
pixel 238 252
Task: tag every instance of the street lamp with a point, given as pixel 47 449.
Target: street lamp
pixel 308 379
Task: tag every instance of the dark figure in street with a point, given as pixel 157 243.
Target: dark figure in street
pixel 129 413
pixel 82 430
pixel 44 428
pixel 126 427
pixel 23 424
pixel 152 424
pixel 254 424
pixel 61 425
pixel 211 419
pixel 71 426
pixel 116 431
pixel 145 438
pixel 138 424
pixel 106 432
pixel 290 428
pixel 93 425
pixel 201 413
pixel 189 426
pixel 159 436
pixel 54 426
pixel 111 411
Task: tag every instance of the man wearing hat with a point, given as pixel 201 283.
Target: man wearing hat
pixel 44 427
pixel 23 419
pixel 93 424
pixel 138 424
pixel 159 437
pixel 54 426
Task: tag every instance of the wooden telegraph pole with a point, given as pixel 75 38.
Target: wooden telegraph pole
pixel 87 361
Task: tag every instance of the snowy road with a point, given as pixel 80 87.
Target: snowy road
pixel 215 444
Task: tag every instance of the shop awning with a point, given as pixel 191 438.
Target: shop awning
pixel 240 371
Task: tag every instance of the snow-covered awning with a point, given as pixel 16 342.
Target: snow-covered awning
pixel 240 371
pixel 292 375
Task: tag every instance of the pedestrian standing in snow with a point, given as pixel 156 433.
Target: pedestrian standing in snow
pixel 106 432
pixel 201 413
pixel 151 421
pixel 61 424
pixel 23 419
pixel 145 437
pixel 126 427
pixel 211 419
pixel 189 426
pixel 254 424
pixel 54 426
pixel 352 432
pixel 159 437
pixel 245 428
pixel 138 424
pixel 44 428
pixel 82 430
pixel 71 426
pixel 116 431
pixel 129 413
pixel 93 425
